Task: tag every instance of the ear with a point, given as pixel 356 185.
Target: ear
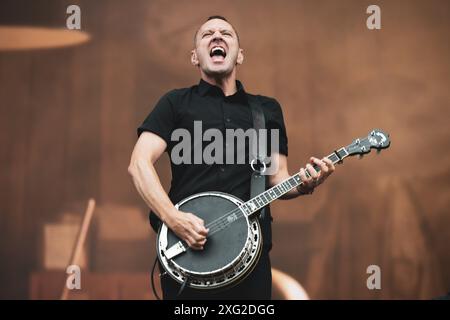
pixel 240 57
pixel 194 59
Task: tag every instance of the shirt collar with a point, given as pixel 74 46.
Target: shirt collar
pixel 205 88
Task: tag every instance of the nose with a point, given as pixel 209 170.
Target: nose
pixel 217 36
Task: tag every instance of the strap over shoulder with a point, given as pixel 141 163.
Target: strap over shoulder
pixel 258 179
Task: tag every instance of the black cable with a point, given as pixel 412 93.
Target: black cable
pixel 153 281
pixel 182 286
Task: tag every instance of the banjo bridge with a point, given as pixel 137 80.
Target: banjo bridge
pixel 175 250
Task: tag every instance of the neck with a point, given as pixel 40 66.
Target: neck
pixel 263 199
pixel 227 83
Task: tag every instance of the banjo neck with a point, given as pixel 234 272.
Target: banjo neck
pixel 376 139
pixel 263 199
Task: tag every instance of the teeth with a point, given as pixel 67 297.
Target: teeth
pixel 218 48
pixel 215 49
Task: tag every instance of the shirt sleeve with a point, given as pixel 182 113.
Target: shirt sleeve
pixel 275 120
pixel 161 120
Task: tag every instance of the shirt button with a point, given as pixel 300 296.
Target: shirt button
pixel 228 119
pixel 222 169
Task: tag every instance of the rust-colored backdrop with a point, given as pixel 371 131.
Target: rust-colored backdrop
pixel 69 116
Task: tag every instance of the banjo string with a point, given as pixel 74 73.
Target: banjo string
pixel 218 229
pixel 223 222
pixel 224 219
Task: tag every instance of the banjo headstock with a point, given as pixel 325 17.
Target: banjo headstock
pixel 376 139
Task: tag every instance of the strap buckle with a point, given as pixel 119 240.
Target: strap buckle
pixel 259 165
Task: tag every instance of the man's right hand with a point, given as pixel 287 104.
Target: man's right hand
pixel 188 228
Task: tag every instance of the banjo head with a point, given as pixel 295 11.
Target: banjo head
pixel 225 248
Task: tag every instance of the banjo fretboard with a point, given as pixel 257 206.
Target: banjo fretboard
pixel 277 191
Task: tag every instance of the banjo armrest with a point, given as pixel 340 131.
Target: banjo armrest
pixel 175 250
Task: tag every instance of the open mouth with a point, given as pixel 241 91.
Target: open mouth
pixel 217 53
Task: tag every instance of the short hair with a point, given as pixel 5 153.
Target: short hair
pixel 217 17
pixel 211 18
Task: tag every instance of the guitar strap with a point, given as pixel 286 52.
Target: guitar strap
pixel 259 156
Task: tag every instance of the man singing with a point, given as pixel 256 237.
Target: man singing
pixel 218 101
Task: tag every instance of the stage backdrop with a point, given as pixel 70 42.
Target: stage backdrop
pixel 69 117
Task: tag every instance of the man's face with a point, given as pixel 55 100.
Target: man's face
pixel 217 48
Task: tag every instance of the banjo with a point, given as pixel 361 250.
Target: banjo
pixel 234 238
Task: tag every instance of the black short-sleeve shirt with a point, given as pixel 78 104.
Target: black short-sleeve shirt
pixel 207 105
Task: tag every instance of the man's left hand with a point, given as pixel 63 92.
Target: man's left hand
pixel 316 178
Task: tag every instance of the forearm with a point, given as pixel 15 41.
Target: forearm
pixel 148 185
